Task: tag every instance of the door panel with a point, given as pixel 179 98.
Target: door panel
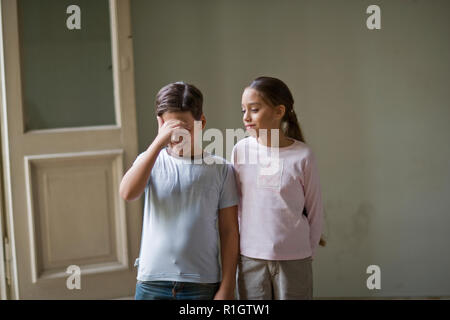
pixel 66 191
pixel 63 168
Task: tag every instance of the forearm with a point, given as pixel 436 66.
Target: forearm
pixel 229 242
pixel 313 201
pixel 316 226
pixel 134 181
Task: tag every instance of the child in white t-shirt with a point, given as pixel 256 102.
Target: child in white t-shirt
pixel 189 205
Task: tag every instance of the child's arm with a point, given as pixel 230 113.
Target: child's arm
pixel 229 244
pixel 134 181
pixel 313 201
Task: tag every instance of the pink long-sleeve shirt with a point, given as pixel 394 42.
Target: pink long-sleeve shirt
pixel 271 220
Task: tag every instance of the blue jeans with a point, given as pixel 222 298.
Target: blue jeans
pixel 172 290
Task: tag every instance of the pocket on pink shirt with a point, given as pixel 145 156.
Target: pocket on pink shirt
pixel 272 180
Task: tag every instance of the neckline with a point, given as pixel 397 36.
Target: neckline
pixel 190 160
pixel 294 143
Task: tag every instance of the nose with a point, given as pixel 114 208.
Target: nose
pixel 246 116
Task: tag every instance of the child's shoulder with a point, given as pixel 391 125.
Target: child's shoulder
pixel 305 148
pixel 302 146
pixel 299 152
pixel 209 158
pixel 241 143
pixel 303 153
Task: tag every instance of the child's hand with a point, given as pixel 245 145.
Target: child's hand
pixel 224 294
pixel 166 130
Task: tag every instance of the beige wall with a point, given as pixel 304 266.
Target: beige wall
pixel 374 106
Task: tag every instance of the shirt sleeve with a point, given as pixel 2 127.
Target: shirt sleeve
pixel 236 172
pixel 228 194
pixel 313 200
pixel 139 157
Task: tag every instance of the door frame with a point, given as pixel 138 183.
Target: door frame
pixel 6 290
pixel 124 94
pixel 4 263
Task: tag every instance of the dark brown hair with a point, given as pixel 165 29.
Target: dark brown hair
pixel 275 92
pixel 180 96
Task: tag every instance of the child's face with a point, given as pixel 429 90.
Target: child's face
pixel 257 114
pixel 186 117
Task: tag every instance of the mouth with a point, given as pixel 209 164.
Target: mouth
pixel 249 126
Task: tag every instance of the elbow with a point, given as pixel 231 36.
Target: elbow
pixel 126 194
pixel 128 197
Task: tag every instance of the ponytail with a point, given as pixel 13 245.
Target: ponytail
pixel 292 127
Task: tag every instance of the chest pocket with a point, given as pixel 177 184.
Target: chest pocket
pixel 270 173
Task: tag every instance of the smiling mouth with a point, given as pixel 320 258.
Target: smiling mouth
pixel 249 126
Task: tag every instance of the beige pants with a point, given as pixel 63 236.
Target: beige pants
pixel 274 280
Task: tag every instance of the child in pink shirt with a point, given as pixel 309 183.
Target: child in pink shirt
pixel 280 210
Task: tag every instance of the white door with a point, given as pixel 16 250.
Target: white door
pixel 68 134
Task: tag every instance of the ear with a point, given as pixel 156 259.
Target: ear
pixel 203 120
pixel 280 111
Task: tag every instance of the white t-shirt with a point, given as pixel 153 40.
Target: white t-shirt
pixel 179 235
